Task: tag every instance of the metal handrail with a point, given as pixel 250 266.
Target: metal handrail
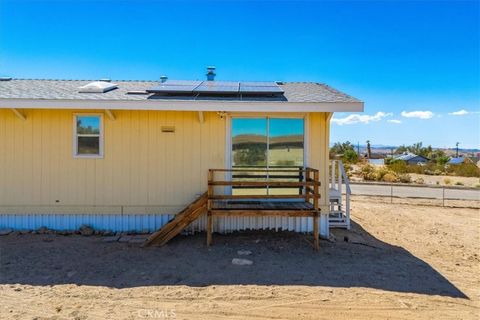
pixel 345 177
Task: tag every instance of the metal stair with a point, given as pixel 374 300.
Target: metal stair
pixel 339 215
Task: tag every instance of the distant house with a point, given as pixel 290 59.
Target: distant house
pixel 457 160
pixel 460 160
pixel 411 158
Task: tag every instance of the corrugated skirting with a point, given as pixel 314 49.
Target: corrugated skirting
pixel 231 224
pixel 152 222
pixel 114 222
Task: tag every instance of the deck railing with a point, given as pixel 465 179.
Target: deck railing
pixel 305 182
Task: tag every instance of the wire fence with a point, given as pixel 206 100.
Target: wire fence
pixel 460 197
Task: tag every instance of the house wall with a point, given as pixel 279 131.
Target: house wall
pixel 144 171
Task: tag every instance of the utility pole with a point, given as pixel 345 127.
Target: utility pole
pixel 457 149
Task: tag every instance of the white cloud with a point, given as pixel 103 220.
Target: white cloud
pixel 394 121
pixel 459 113
pixel 418 114
pixel 361 118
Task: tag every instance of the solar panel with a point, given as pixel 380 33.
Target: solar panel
pixel 258 83
pixel 182 82
pixel 217 87
pixel 175 86
pixel 260 87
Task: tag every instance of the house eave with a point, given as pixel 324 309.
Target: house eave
pixel 228 106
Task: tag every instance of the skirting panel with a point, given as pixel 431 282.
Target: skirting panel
pixel 231 224
pixel 152 222
pixel 113 222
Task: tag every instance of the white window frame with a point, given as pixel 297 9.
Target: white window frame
pixel 75 137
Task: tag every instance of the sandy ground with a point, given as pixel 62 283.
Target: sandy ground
pixel 471 182
pixel 400 262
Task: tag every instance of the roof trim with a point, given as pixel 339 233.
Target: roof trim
pixel 236 106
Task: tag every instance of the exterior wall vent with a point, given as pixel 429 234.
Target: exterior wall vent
pixel 168 129
pixel 97 87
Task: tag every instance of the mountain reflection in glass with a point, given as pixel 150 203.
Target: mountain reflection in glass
pixel 249 142
pixel 263 143
pixel 285 142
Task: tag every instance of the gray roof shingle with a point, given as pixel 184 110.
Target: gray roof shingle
pixel 68 90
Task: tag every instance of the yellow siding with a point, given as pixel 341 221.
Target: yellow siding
pixel 143 170
pixel 318 148
pixel 142 166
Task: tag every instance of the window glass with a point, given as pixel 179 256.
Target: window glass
pixel 88 145
pixel 267 143
pixel 88 135
pixel 88 125
pixel 249 142
pixel 285 150
pixel 285 142
pixel 249 150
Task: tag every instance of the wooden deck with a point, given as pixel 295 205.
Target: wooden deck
pixel 298 199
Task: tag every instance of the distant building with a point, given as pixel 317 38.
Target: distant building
pixel 457 160
pixel 411 158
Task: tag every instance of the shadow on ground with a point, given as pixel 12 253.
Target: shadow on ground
pixel 280 258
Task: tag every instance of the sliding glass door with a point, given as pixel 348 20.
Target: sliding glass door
pixel 267 143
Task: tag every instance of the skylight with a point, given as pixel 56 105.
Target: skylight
pixel 97 87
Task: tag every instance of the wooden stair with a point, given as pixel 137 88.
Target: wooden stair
pixel 178 223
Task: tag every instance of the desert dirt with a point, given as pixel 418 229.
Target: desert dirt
pixel 471 182
pixel 401 261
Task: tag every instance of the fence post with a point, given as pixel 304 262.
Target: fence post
pixel 391 193
pixel 443 196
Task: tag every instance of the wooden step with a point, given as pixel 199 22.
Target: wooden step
pixel 179 222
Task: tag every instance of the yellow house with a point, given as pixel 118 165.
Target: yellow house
pixel 127 155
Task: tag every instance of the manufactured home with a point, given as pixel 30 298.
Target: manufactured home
pixel 130 155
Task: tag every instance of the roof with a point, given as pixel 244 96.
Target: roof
pixel 409 157
pixel 35 93
pixel 458 160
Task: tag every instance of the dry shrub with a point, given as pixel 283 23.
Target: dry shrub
pixel 420 181
pixel 368 172
pixel 405 178
pixel 390 177
pixel 447 181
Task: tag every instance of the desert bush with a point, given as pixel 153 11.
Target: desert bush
pixel 447 181
pixel 420 181
pixel 459 183
pixel 398 166
pixel 429 172
pixel 477 185
pixel 368 172
pixel 381 172
pixel 348 169
pixel 437 172
pixel 350 156
pixel 390 177
pixel 463 170
pixel 405 178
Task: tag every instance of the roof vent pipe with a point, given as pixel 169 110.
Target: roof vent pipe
pixel 211 73
pixel 163 79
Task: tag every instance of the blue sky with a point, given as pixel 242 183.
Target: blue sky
pixel 397 56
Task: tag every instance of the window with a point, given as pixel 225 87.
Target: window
pixel 267 143
pixel 88 136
